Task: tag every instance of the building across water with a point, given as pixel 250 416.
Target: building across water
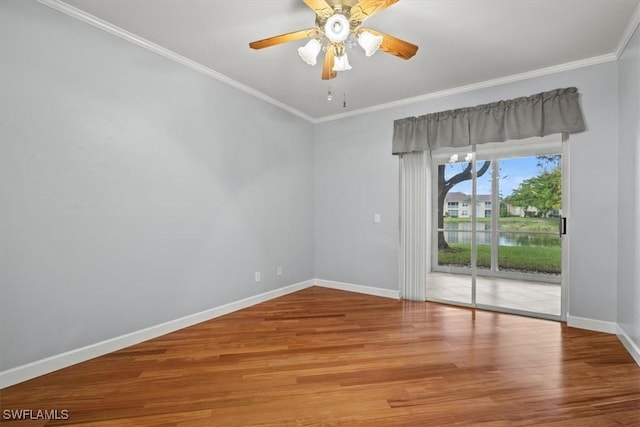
pixel 458 205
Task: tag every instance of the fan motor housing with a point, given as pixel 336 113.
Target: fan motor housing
pixel 343 3
pixel 343 7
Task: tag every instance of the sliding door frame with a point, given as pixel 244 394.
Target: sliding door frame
pixel 531 150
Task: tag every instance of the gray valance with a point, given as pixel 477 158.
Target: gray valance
pixel 537 115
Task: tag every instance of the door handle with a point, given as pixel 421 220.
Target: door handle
pixel 562 226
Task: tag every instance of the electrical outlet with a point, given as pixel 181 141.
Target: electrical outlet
pixel 279 271
pixel 257 275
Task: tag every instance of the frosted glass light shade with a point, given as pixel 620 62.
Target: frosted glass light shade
pixel 341 63
pixel 369 42
pixel 337 28
pixel 309 52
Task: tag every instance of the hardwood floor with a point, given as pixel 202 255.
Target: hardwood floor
pixel 322 357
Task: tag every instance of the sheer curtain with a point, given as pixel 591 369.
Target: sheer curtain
pixel 556 111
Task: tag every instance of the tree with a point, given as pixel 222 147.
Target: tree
pixel 444 186
pixel 504 207
pixel 543 192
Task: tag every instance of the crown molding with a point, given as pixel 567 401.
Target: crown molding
pixel 476 86
pixel 628 33
pixel 83 16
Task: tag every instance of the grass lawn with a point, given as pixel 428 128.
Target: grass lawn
pixel 534 259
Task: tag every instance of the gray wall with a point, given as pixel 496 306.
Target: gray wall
pixel 356 176
pixel 629 191
pixel 134 190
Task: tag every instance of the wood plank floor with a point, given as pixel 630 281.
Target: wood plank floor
pixel 323 357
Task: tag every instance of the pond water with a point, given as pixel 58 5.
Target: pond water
pixel 460 232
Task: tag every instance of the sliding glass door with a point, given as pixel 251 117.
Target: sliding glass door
pixel 452 264
pixel 496 227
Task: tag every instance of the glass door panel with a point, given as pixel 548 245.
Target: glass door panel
pixel 450 278
pixel 525 274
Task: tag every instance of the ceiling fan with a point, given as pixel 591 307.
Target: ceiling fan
pixel 338 26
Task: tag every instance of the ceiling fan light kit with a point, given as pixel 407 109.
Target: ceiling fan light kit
pixel 369 42
pixel 309 52
pixel 341 63
pixel 338 25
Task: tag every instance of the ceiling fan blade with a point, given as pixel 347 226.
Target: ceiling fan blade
pixel 320 7
pixel 327 67
pixel 284 38
pixel 395 46
pixel 366 8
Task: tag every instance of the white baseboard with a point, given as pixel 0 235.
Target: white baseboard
pixel 609 328
pixel 592 324
pixel 361 289
pixel 629 344
pixel 40 367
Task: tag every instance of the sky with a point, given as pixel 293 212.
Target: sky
pixel 512 172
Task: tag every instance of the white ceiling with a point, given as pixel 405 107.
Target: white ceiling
pixel 462 43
